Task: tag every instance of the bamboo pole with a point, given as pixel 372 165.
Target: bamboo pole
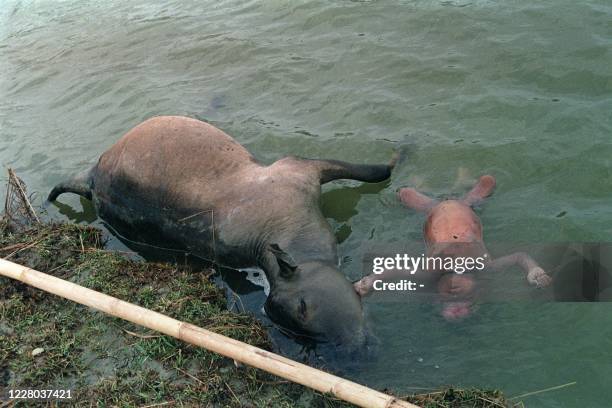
pixel 242 352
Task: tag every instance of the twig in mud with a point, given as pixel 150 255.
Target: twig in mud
pixel 439 398
pixel 227 327
pixel 425 394
pixel 273 382
pixel 11 247
pixel 241 304
pixel 17 201
pixel 171 356
pixel 494 403
pixel 558 387
pixel 193 377
pixel 23 248
pixel 142 336
pixel 161 404
pixel 234 303
pixel 232 391
pixel 57 267
pixel 179 302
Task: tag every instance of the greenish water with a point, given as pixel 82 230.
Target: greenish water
pixel 518 89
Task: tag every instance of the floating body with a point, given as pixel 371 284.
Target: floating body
pixel 453 230
pixel 184 183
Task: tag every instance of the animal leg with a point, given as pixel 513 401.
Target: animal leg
pixel 80 185
pixel 329 170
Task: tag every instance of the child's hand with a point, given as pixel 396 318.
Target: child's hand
pixel 536 276
pixel 363 287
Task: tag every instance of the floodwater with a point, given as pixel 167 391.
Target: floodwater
pixel 521 90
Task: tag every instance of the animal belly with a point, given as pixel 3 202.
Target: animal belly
pixel 191 230
pixel 139 220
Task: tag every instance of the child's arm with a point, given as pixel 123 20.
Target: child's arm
pixel 365 285
pixel 535 274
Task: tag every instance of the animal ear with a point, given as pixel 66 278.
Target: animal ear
pixel 286 264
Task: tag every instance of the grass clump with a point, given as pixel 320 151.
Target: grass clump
pixel 110 362
pixel 462 397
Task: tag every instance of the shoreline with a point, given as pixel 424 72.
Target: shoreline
pixel 48 342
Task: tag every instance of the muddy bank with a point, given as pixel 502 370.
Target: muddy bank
pixel 109 362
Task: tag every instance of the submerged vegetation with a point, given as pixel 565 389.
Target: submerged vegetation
pixel 49 342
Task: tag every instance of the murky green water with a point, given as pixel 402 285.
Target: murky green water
pixel 522 90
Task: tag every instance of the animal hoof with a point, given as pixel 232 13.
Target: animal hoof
pixel 538 277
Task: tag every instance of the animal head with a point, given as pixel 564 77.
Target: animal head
pixel 315 300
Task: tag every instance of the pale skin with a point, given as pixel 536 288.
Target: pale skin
pixel 453 229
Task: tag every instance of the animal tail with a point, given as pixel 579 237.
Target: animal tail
pixel 330 170
pixel 81 185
